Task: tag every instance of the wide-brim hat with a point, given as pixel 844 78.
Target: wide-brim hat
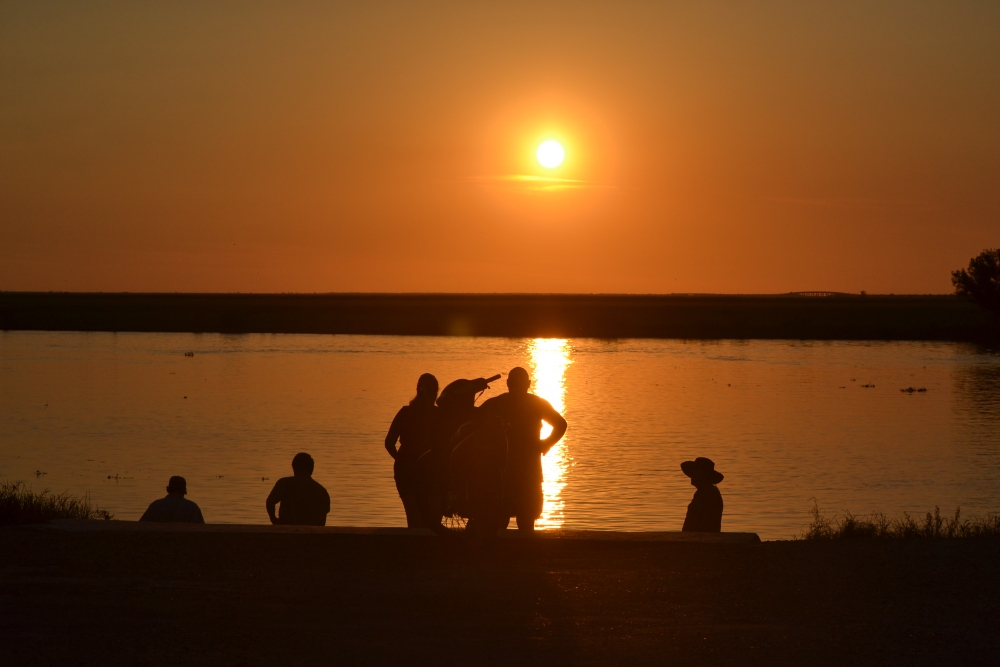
pixel 702 469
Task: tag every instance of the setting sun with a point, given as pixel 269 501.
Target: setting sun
pixel 550 154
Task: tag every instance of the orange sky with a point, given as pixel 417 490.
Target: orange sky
pixel 268 147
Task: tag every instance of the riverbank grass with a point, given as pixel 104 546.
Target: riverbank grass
pixel 20 505
pixel 878 525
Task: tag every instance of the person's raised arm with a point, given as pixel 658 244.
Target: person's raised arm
pixel 558 424
pixel 393 435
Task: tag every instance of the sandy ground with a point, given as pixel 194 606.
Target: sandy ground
pixel 124 597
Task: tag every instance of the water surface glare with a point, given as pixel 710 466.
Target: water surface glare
pixel 115 415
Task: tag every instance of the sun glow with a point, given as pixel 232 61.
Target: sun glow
pixel 550 154
pixel 550 357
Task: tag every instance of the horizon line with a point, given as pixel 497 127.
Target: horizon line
pixel 811 294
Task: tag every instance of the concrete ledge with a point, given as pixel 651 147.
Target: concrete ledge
pixel 73 525
pixel 645 536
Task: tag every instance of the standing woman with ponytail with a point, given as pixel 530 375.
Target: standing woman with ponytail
pixel 415 427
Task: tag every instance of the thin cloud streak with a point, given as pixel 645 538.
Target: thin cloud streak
pixel 849 201
pixel 541 183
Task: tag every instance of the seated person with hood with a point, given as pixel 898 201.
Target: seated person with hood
pixel 174 507
pixel 704 514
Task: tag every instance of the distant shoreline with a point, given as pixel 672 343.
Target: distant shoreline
pixel 793 316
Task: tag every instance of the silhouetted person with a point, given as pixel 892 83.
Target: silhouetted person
pixel 417 428
pixel 704 514
pixel 174 507
pixel 303 500
pixel 523 414
pixel 458 406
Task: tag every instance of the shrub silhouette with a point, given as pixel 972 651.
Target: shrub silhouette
pixel 21 505
pixel 981 281
pixel 878 525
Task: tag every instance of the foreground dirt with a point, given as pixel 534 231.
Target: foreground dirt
pixel 305 599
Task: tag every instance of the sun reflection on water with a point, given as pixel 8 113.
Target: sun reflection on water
pixel 549 360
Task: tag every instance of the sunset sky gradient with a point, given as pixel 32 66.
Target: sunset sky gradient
pixel 314 147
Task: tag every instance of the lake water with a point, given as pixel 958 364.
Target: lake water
pixel 115 415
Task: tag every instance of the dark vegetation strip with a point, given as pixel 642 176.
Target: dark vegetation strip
pixel 878 525
pixel 21 505
pixel 838 317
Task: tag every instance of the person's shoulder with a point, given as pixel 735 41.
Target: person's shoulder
pixel 196 514
pixel 418 411
pixel 539 401
pixel 316 485
pixel 283 482
pixel 495 402
pixel 153 511
pixel 189 510
pixel 157 504
pixel 317 492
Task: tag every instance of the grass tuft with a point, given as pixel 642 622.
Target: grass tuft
pixel 878 525
pixel 21 505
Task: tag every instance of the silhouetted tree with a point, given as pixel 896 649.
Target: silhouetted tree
pixel 981 280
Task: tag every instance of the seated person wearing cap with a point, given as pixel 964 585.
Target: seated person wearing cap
pixel 303 501
pixel 704 514
pixel 174 507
